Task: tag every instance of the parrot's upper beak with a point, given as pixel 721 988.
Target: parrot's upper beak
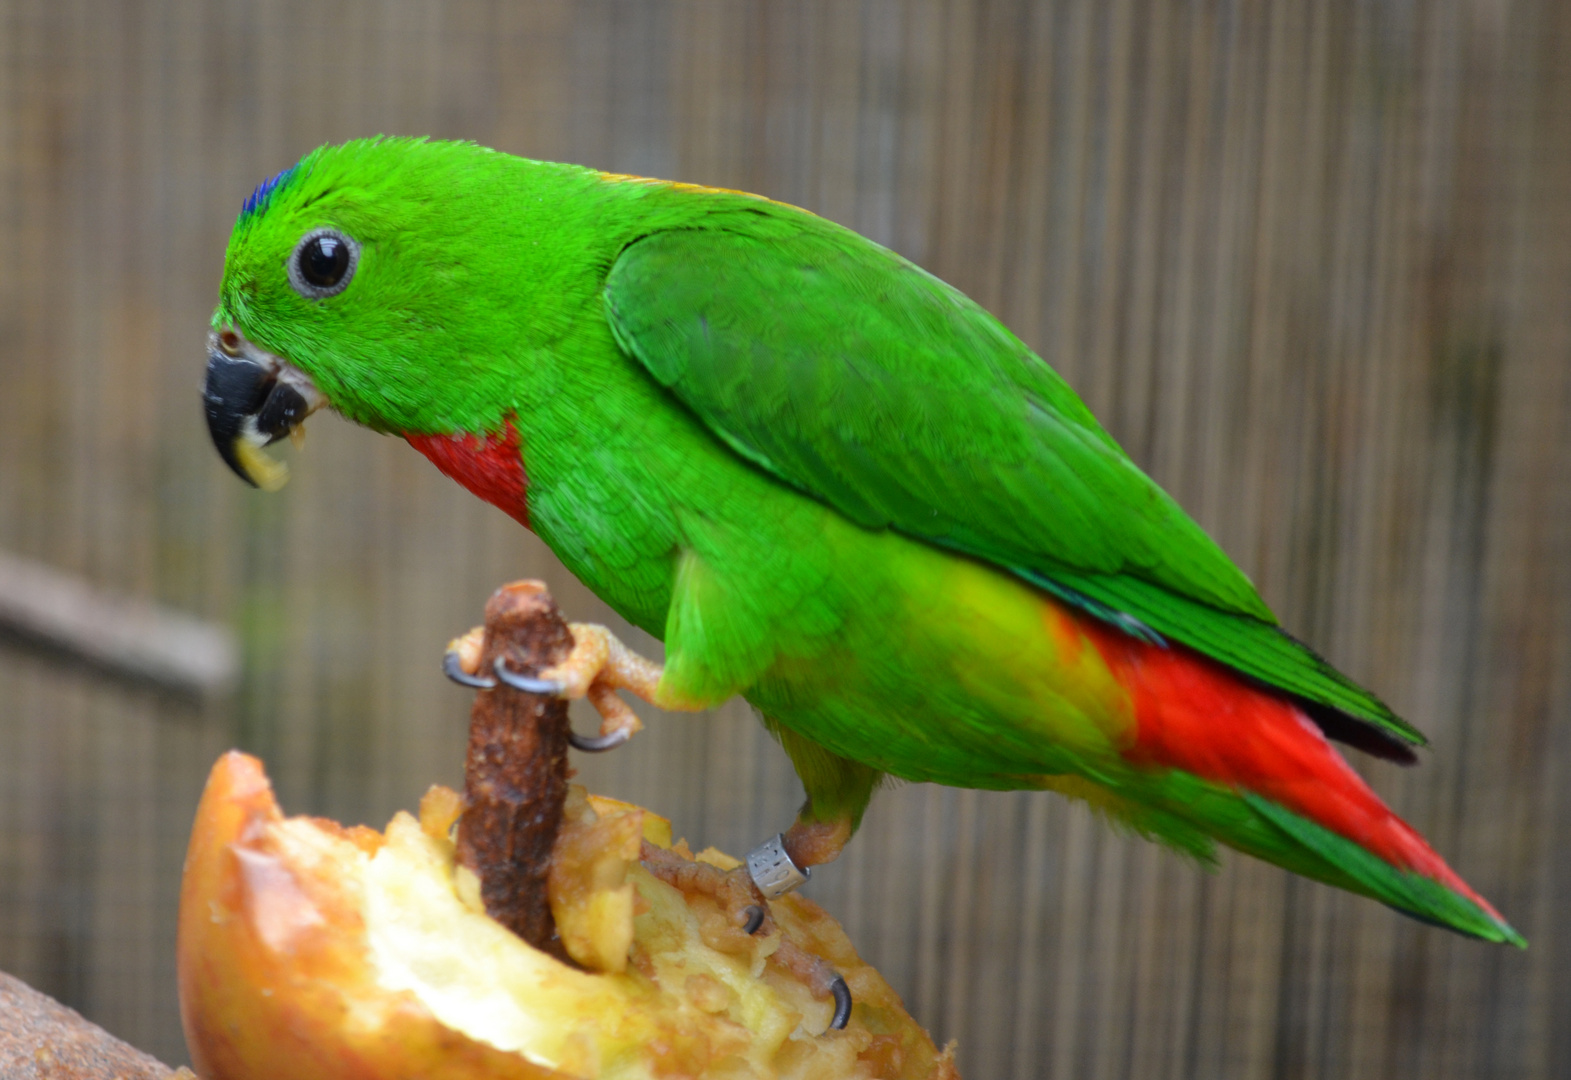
pixel 253 399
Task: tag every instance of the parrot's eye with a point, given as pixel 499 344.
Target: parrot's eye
pixel 322 264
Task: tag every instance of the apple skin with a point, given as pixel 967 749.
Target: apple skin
pixel 275 980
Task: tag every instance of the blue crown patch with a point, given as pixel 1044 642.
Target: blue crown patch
pixel 258 198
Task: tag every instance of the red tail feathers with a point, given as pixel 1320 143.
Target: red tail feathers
pixel 1196 715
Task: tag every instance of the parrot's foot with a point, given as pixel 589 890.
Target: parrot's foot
pixel 747 909
pixel 597 667
pixel 821 979
pixel 461 661
pixel 745 903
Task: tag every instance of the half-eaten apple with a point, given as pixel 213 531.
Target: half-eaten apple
pixel 309 949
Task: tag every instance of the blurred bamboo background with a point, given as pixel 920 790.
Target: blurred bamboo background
pixel 1310 260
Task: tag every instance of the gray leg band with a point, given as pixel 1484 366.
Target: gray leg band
pixel 772 869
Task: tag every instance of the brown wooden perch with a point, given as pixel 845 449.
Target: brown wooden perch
pixel 41 1039
pixel 516 772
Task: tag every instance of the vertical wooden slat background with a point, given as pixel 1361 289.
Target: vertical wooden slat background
pixel 1310 260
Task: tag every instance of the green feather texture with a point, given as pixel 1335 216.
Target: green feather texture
pixel 861 379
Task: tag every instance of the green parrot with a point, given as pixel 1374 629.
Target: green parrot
pixel 828 481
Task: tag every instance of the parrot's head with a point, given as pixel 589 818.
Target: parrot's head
pixel 375 278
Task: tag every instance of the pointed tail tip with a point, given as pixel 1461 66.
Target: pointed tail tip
pixel 1487 927
pixel 1406 874
pixel 1484 923
pixel 1508 935
pixel 1487 924
pixel 1504 932
pixel 1463 913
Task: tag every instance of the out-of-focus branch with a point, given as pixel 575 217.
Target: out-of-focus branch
pixel 41 1039
pixel 128 639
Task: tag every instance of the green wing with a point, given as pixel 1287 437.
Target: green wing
pixel 859 378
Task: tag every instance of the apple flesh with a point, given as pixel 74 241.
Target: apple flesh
pixel 308 949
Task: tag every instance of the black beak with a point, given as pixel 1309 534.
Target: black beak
pixel 253 399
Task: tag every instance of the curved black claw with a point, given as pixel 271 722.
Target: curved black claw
pixel 524 682
pixel 595 744
pixel 755 918
pixel 842 994
pixel 451 669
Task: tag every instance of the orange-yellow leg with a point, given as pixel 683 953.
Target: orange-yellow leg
pixel 598 666
pixel 813 843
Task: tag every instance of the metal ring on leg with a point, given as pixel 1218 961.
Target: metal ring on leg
pixel 772 869
pixel 755 919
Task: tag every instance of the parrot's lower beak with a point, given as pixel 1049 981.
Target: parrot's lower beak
pixel 253 399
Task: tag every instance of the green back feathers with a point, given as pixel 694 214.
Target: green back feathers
pixel 858 377
pixel 864 381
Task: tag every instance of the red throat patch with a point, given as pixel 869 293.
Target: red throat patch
pixel 490 466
